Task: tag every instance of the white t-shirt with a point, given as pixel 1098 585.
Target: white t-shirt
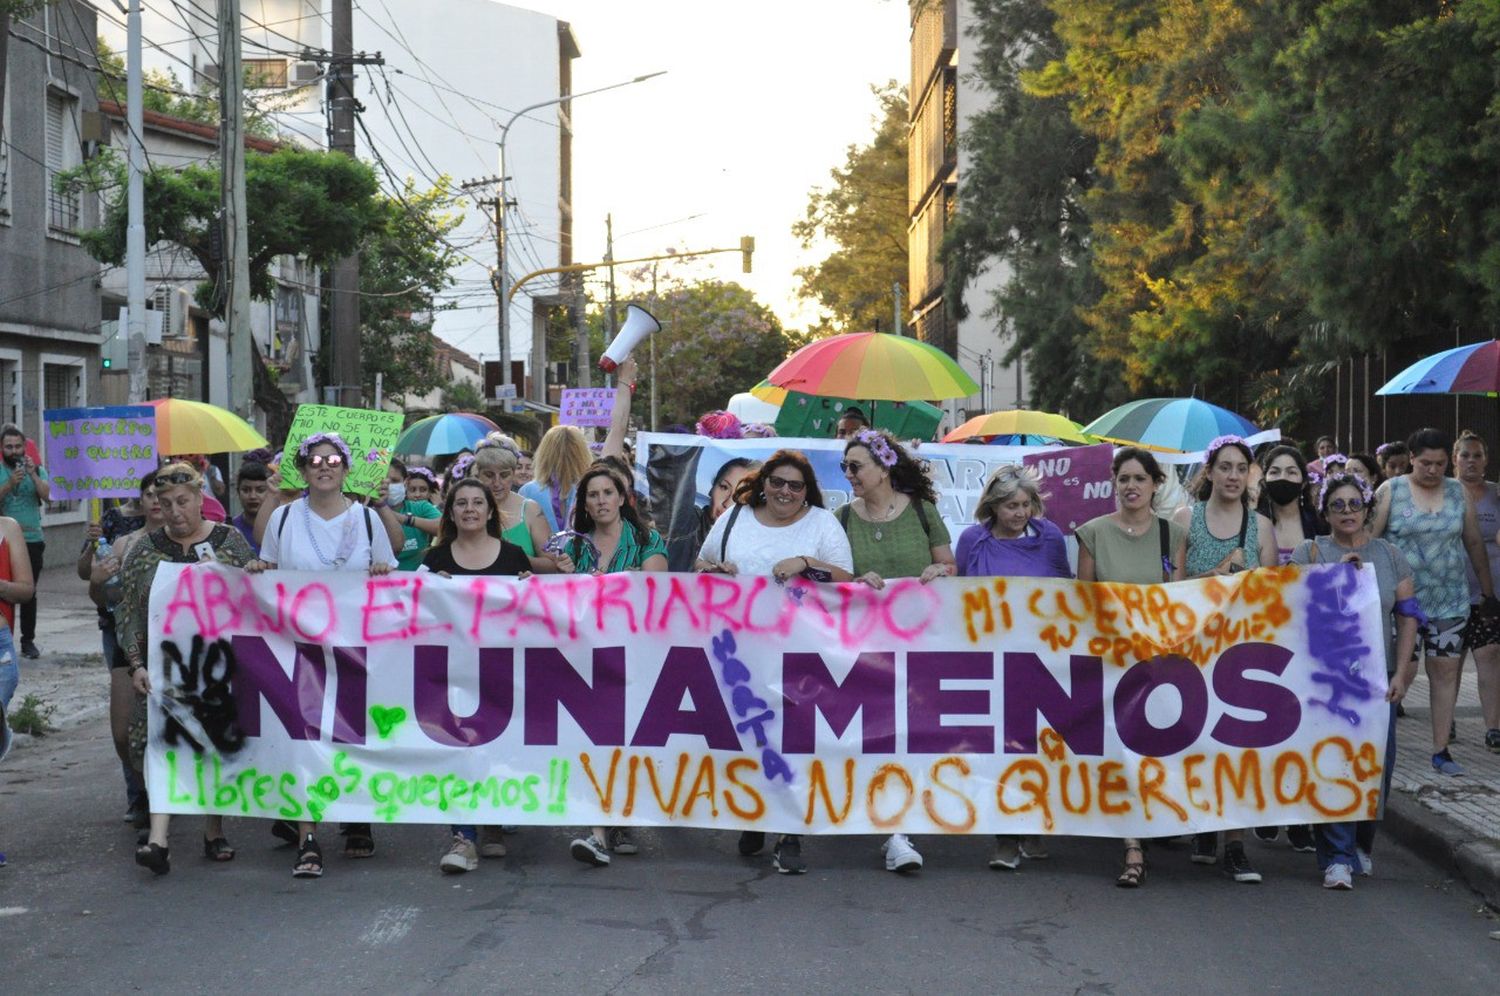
pixel 298 539
pixel 754 548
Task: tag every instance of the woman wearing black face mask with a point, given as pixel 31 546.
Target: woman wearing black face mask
pixel 1283 498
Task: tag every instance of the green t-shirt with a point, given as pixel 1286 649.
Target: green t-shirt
pixel 409 557
pixel 900 548
pixel 22 505
pixel 1128 559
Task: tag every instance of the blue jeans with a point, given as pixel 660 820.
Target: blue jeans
pixel 1337 842
pixel 468 831
pixel 10 674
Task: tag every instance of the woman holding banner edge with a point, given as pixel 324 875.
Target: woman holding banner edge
pixel 1132 545
pixel 778 526
pixel 1347 503
pixel 325 531
pixel 1010 538
pixel 186 538
pixel 894 531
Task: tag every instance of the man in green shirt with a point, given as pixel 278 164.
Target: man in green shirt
pixel 23 489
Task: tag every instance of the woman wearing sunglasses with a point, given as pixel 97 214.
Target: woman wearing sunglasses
pixel 1347 503
pixel 894 531
pixel 325 530
pixel 186 538
pixel 778 526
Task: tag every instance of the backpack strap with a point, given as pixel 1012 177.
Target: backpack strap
pixel 286 513
pixel 734 513
pixel 922 518
pixel 1244 524
pixel 1166 553
pixel 844 515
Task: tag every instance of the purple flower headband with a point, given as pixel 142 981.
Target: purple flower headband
pixel 758 430
pixel 1335 458
pixel 1335 481
pixel 880 447
pixel 460 468
pixel 424 474
pixel 331 438
pixel 1381 449
pixel 499 441
pixel 1219 443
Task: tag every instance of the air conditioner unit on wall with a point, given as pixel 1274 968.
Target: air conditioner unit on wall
pixel 304 74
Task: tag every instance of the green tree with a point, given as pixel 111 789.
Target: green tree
pixel 163 92
pixel 864 216
pixel 405 260
pixel 464 397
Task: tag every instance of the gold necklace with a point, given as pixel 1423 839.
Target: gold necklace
pixel 890 514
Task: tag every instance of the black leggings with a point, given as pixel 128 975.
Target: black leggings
pixel 28 607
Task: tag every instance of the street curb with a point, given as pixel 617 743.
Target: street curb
pixel 1443 842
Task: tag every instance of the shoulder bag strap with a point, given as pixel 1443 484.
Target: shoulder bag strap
pixel 1166 552
pixel 724 540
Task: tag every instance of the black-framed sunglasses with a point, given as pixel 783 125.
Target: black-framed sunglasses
pixel 783 484
pixel 851 466
pixel 329 459
pixel 181 477
pixel 1341 505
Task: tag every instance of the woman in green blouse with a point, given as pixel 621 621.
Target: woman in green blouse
pixel 608 537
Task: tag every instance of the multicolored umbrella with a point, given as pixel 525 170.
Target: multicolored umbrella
pixel 448 433
pixel 874 366
pixel 1471 369
pixel 1175 425
pixel 1019 423
pixel 184 427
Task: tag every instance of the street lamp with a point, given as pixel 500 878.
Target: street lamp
pixel 502 279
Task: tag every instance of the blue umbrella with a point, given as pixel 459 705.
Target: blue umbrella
pixel 1177 425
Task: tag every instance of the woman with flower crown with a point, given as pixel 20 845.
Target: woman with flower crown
pixel 1225 535
pixel 894 531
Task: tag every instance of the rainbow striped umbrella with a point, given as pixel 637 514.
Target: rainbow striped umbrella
pixel 1175 425
pixel 184 427
pixel 1471 369
pixel 873 366
pixel 448 433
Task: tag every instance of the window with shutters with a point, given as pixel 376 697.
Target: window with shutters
pixel 63 153
pixel 62 387
pixel 10 389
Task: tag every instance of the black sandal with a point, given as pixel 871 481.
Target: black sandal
pixel 358 840
pixel 309 859
pixel 284 830
pixel 1135 871
pixel 153 856
pixel 217 849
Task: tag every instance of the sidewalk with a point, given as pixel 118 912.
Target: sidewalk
pixel 1452 822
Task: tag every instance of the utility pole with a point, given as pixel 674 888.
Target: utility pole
pixel 609 256
pixel 897 326
pixel 343 309
pixel 135 208
pixel 232 197
pixel 585 375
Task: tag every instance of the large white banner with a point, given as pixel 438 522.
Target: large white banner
pixel 971 705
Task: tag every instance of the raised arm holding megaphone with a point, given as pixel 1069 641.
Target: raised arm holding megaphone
pixel 638 325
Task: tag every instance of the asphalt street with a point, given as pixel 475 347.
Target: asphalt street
pixel 688 914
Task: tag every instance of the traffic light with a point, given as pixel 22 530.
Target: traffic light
pixel 747 246
pixel 108 363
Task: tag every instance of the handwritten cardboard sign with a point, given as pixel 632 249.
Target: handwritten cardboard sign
pixel 728 702
pixel 370 434
pixel 587 406
pixel 99 452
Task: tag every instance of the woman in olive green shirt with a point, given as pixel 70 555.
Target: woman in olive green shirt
pixel 894 532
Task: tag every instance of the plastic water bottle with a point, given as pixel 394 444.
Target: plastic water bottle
pixel 102 548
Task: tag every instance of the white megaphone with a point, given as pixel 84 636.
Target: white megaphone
pixel 638 325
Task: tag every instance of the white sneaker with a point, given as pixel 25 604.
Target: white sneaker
pixel 1008 852
pixel 590 850
pixel 1366 862
pixel 461 856
pixel 1338 877
pixel 900 856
